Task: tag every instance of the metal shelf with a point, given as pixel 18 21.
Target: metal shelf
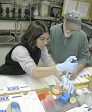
pixel 87 24
pixel 9 43
pixel 43 17
pixel 8 39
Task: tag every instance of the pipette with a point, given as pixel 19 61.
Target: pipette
pixel 67 73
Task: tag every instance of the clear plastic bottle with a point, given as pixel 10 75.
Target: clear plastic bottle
pixel 44 9
pixel 56 91
pixel 49 104
pixel 66 88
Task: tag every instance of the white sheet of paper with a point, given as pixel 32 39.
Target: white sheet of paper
pixel 83 74
pixel 33 103
pixel 73 110
pixel 27 103
pixel 43 82
pixel 5 100
pixel 83 8
pixel 70 5
pixel 18 83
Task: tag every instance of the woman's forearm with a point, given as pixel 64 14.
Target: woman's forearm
pixel 41 72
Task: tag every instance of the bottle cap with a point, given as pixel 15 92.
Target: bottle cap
pixel 56 90
pixel 72 100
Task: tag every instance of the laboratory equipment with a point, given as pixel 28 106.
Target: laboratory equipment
pixel 56 91
pixel 15 107
pixel 72 100
pixel 64 98
pixel 20 11
pixel 44 9
pixel 68 88
pixel 7 11
pixel 27 13
pixel 49 104
pixel 1 10
pixel 13 12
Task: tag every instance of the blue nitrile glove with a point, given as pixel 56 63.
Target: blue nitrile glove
pixel 68 65
pixel 15 107
pixel 65 82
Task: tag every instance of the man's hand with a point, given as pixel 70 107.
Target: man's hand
pixel 73 76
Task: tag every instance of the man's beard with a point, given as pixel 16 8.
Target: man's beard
pixel 66 32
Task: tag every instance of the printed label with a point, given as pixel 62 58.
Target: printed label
pixel 4 98
pixel 14 88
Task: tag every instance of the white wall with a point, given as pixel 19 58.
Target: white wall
pixel 10 25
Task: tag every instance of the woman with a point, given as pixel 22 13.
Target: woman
pixel 89 61
pixel 24 57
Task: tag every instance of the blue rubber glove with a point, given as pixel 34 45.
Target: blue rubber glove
pixel 68 65
pixel 15 107
pixel 65 82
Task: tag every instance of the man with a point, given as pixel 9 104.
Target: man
pixel 67 39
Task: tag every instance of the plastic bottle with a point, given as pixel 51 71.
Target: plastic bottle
pixel 44 9
pixel 49 104
pixel 56 91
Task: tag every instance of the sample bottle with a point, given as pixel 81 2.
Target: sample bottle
pixel 56 91
pixel 49 104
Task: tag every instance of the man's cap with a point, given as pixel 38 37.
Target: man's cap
pixel 73 20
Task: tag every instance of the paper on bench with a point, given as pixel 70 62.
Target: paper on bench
pixel 27 103
pixel 19 83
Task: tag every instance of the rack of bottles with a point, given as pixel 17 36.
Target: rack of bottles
pixel 15 12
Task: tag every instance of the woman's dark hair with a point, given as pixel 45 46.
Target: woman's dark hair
pixel 34 31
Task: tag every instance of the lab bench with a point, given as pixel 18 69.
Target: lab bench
pixel 40 89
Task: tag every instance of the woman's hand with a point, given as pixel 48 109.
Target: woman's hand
pixel 73 76
pixel 68 66
pixel 58 75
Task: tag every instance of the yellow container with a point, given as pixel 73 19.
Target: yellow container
pixel 90 84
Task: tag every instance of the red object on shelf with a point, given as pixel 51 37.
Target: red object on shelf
pixel 43 95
